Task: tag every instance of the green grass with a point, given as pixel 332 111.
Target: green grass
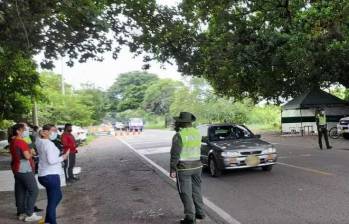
pixel 257 128
pixel 155 126
pixel 89 140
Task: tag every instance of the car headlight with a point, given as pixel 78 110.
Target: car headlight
pixel 230 154
pixel 271 149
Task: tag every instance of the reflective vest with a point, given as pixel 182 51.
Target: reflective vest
pixel 322 119
pixel 29 142
pixel 191 143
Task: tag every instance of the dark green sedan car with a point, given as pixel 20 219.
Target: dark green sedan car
pixel 230 146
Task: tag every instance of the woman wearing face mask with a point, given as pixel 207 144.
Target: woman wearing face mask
pixel 50 169
pixel 26 189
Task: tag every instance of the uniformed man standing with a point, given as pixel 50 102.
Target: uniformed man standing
pixel 321 123
pixel 186 167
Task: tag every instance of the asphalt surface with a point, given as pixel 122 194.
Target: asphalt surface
pixel 307 185
pixel 115 187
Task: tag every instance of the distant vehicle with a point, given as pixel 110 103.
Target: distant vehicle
pixel 3 140
pixel 105 129
pixel 342 129
pixel 230 146
pixel 136 124
pixel 119 126
pixel 78 132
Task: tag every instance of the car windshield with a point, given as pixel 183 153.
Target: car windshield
pixel 229 132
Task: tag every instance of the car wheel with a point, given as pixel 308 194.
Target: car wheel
pixel 333 133
pixel 346 135
pixel 213 167
pixel 267 168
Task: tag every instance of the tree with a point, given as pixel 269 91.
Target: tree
pixel 79 29
pixel 340 92
pixel 18 81
pixel 95 99
pixel 128 91
pixel 57 108
pixel 260 49
pixel 159 96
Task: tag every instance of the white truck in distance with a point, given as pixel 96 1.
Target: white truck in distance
pixel 136 124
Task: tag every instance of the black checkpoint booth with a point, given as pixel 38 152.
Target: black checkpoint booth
pixel 298 115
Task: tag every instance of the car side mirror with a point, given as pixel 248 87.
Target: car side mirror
pixel 258 136
pixel 204 139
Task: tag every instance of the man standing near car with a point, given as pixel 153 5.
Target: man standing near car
pixel 321 123
pixel 186 167
pixel 69 143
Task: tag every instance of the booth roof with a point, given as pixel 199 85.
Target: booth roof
pixel 314 98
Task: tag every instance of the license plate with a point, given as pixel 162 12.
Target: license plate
pixel 252 160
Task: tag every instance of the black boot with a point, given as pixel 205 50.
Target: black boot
pixel 200 217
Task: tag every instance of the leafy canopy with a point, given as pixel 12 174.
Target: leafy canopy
pixel 79 29
pixel 128 90
pixel 260 49
pixel 18 80
pixel 83 107
pixel 158 97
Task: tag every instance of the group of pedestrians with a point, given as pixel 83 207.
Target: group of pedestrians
pixel 185 165
pixel 40 146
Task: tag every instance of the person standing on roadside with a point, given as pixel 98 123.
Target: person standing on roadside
pixel 185 165
pixel 321 123
pixel 26 188
pixel 69 143
pixel 50 169
pixel 35 134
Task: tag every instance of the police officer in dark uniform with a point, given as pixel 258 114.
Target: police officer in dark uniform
pixel 186 167
pixel 321 123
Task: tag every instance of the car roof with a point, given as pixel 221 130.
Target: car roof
pixel 218 125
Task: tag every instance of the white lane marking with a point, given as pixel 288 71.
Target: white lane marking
pixel 138 141
pixel 147 145
pixel 220 212
pixel 306 169
pixel 150 151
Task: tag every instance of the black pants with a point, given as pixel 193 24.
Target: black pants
pixel 69 166
pixel 26 193
pixel 322 131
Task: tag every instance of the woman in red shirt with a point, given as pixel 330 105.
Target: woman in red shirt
pixel 68 142
pixel 26 188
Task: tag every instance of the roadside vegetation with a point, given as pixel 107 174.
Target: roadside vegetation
pixel 83 107
pixel 142 94
pixel 162 99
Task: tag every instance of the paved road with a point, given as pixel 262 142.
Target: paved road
pixel 115 187
pixel 308 186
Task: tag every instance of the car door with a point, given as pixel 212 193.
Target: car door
pixel 204 144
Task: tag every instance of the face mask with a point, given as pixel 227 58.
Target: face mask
pixel 25 134
pixel 53 136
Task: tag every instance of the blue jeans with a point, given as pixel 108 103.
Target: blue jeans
pixel 52 183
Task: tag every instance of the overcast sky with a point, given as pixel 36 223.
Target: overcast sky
pixel 103 74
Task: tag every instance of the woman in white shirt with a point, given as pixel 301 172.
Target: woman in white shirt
pixel 50 169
